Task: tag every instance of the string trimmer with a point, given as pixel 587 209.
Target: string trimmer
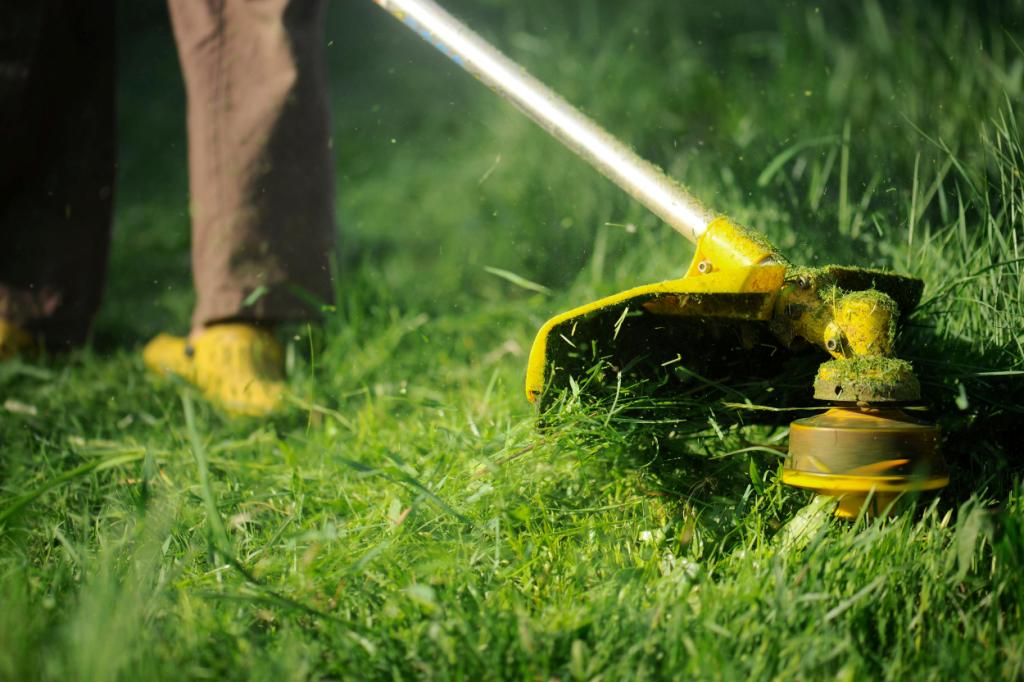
pixel 738 296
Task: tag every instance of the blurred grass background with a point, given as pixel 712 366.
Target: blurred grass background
pixel 411 521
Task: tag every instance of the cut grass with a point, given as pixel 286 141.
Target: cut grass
pixel 411 520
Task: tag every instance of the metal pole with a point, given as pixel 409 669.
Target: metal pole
pixel 642 180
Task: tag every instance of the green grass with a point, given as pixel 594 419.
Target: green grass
pixel 411 520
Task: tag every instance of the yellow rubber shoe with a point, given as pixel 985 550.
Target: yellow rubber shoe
pixel 165 355
pixel 238 366
pixel 14 340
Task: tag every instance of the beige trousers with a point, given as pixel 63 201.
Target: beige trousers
pixel 260 162
pixel 260 167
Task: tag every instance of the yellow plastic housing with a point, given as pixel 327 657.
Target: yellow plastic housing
pixel 863 324
pixel 726 245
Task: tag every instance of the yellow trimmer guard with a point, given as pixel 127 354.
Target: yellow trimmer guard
pixel 711 307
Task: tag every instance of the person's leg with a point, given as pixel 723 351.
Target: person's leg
pixel 57 60
pixel 259 157
pixel 262 191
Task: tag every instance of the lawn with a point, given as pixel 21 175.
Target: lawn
pixel 410 517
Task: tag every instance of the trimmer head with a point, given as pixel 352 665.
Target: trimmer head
pixel 865 446
pixel 741 299
pixel 851 452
